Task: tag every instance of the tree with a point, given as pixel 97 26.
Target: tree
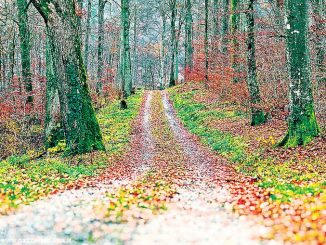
pixel 163 44
pixel 206 43
pixel 215 18
pixel 125 61
pixel 257 114
pixel 52 126
pixel 88 32
pixel 81 129
pixel 225 26
pixel 234 29
pixel 319 11
pixel 302 123
pixel 100 65
pixel 173 44
pixel 176 49
pixel 189 50
pixel 25 48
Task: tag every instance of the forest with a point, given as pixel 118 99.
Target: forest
pixel 162 122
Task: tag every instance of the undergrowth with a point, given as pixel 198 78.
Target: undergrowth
pixel 283 180
pixel 24 179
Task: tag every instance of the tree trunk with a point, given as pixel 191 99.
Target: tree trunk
pixel 162 61
pixel 234 28
pixel 100 62
pixel 81 129
pixel 215 19
pixel 302 124
pixel 189 50
pixel 206 43
pixel 125 65
pixel 53 128
pixel 176 49
pixel 257 114
pixel 173 42
pixel 225 26
pixel 319 11
pixel 135 54
pixel 88 32
pixel 12 53
pixel 25 49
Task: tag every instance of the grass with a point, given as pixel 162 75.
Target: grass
pixel 24 180
pixel 283 180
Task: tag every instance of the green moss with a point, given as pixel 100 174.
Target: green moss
pixel 24 180
pixel 258 118
pixel 303 130
pixel 195 117
pixel 282 179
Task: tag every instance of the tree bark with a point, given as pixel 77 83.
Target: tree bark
pixel 206 43
pixel 189 50
pixel 234 29
pixel 173 42
pixel 25 49
pixel 100 62
pixel 225 26
pixel 81 129
pixel 162 61
pixel 319 11
pixel 257 114
pixel 88 32
pixel 215 19
pixel 53 128
pixel 125 65
pixel 302 124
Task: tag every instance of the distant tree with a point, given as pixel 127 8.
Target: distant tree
pixel 163 14
pixel 189 50
pixel 206 42
pixel 25 48
pixel 88 32
pixel 215 18
pixel 302 124
pixel 257 114
pixel 100 64
pixel 173 10
pixel 225 25
pixel 234 30
pixel 319 11
pixel 125 61
pixel 81 129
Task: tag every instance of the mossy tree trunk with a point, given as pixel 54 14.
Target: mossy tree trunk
pixel 302 124
pixel 81 129
pixel 25 48
pixel 125 59
pixel 189 50
pixel 257 114
pixel 234 31
pixel 53 126
pixel 173 42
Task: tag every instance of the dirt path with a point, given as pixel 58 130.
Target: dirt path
pixel 162 156
pixel 69 217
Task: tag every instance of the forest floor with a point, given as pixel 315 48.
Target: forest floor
pixel 170 187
